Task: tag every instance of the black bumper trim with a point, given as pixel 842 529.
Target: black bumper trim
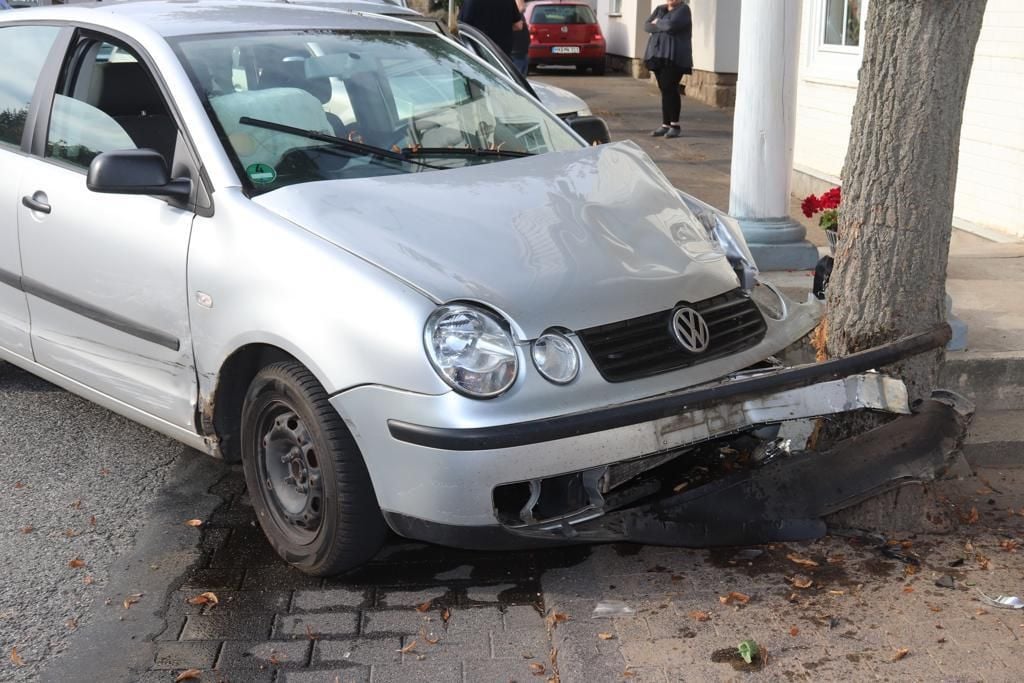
pixel 666 405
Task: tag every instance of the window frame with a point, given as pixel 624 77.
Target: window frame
pixel 614 8
pixel 825 62
pixel 42 94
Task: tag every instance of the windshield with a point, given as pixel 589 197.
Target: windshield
pixel 563 14
pixel 286 104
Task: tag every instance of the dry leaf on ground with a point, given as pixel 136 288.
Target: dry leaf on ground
pixel 972 516
pixel 538 669
pixel 900 654
pixel 408 648
pixel 740 598
pixel 16 658
pixel 310 634
pixel 446 614
pixel 606 636
pixel 1008 546
pixel 92 521
pixel 76 563
pixel 71 623
pixel 801 581
pixel 70 533
pixel 204 599
pixel 794 631
pixel 27 529
pixel 424 606
pixel 556 618
pixel 700 615
pixel 805 561
pixel 188 675
pixel 628 674
pixel 194 522
pixel 77 503
pixel 131 600
pixel 18 485
pixel 88 580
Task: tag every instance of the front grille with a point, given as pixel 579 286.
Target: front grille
pixel 645 346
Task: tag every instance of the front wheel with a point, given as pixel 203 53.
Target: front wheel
pixel 306 478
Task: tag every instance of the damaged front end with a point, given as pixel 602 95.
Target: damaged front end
pixel 728 475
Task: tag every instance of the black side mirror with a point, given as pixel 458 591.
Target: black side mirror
pixel 591 128
pixel 135 171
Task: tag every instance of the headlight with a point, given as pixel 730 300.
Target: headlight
pixel 769 300
pixel 556 357
pixel 726 230
pixel 471 351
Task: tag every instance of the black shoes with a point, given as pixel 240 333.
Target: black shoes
pixel 674 132
pixel 667 132
pixel 659 132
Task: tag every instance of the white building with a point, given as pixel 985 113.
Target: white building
pixel 988 199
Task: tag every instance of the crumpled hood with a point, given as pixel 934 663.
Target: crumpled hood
pixel 571 239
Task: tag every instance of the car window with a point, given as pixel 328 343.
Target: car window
pixel 483 53
pixel 562 14
pixel 107 101
pixel 25 51
pixel 401 93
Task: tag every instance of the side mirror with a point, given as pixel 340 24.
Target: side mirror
pixel 135 171
pixel 591 128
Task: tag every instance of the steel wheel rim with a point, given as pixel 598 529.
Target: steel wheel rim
pixel 289 473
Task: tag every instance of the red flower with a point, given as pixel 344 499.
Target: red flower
pixel 810 205
pixel 830 199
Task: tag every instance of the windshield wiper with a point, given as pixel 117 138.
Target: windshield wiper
pixel 465 151
pixel 350 145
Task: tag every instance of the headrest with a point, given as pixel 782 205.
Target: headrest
pixel 126 90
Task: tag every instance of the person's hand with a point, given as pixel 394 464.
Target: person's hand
pixel 518 26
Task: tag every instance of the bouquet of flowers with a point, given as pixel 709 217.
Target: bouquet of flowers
pixel 827 205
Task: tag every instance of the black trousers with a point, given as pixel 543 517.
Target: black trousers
pixel 669 77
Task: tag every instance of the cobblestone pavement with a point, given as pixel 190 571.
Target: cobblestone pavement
pixel 837 608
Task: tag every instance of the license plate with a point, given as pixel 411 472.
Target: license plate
pixel 561 50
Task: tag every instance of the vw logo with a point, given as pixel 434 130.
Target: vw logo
pixel 690 330
pixel 565 29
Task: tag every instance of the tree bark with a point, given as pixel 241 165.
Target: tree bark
pixel 899 178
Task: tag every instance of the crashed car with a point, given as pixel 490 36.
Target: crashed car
pixel 403 294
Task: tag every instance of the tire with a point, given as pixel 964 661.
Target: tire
pixel 306 478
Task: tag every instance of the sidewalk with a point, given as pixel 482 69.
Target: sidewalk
pixel 986 279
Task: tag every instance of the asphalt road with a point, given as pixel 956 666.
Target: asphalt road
pixel 76 483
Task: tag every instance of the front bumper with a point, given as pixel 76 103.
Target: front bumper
pixel 445 477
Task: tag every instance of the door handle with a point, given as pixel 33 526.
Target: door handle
pixel 35 204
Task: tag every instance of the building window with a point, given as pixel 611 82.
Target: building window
pixel 615 8
pixel 842 23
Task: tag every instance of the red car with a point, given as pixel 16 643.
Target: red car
pixel 565 33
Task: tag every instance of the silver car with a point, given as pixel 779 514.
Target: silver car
pixel 339 249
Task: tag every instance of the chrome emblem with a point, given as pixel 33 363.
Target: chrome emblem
pixel 690 330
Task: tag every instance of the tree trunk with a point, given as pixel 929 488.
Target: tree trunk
pixel 898 181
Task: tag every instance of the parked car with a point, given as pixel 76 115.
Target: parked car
pixel 559 100
pixel 4 5
pixel 565 33
pixel 404 295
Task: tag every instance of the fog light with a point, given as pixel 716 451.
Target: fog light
pixel 556 357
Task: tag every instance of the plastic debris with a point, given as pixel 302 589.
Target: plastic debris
pixel 748 554
pixel 904 557
pixel 946 581
pixel 748 649
pixel 1003 601
pixel 612 608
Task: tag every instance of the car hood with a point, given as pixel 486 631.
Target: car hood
pixel 559 100
pixel 571 239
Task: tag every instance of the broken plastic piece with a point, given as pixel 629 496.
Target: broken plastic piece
pixel 946 581
pixel 748 650
pixel 612 608
pixel 1003 601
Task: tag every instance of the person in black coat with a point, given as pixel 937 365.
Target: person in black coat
pixel 498 19
pixel 669 55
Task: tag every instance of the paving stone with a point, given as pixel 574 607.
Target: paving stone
pixel 246 547
pixel 230 601
pixel 488 593
pixel 208 579
pixel 191 655
pixel 402 622
pixel 366 651
pixel 475 620
pixel 410 598
pixel 348 674
pixel 278 576
pixel 522 616
pixel 250 676
pixel 330 598
pixel 175 624
pixel 430 669
pixel 227 626
pixel 503 670
pixel 320 624
pixel 277 654
pixel 514 644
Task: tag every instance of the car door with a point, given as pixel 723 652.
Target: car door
pixel 105 274
pixel 27 47
pixel 484 48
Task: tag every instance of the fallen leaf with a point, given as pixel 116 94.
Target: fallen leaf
pixel 71 623
pixel 908 589
pixel 557 618
pixel 188 675
pixel 70 533
pixel 801 581
pixel 793 598
pixel 628 674
pixel 274 659
pixel 935 609
pixel 538 669
pixel 18 485
pixel 972 516
pixel 700 615
pixel 92 521
pixel 88 580
pixel 981 612
pixel 679 487
pixel 104 471
pixel 27 529
pixel 194 522
pixel 77 503
pixel 310 634
pixel 805 561
pixel 794 631
pixel 16 658
pixel 408 648
pixel 968 547
pixel 837 592
pixel 131 600
pixel 204 599
pixel 446 614
pixel 424 606
pixel 741 598
pixel 983 562
pixel 910 569
pixel 1008 546
pixel 76 563
pixel 606 636
pixel 900 654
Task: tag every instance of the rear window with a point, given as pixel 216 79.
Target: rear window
pixel 562 14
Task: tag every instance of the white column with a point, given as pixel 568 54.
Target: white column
pixel 764 128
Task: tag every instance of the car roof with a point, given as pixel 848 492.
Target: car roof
pixel 170 18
